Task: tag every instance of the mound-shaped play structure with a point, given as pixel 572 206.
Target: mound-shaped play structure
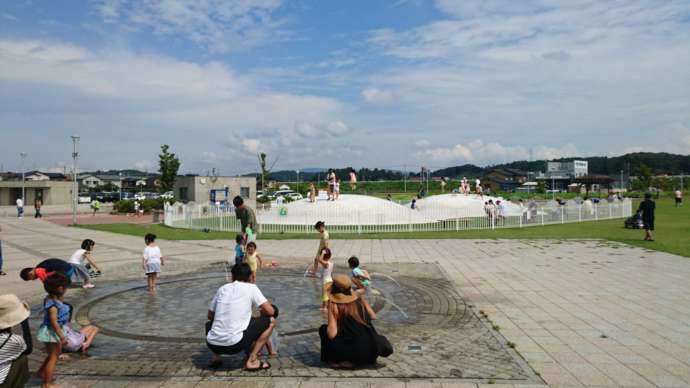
pixel 448 206
pixel 366 210
pixel 350 209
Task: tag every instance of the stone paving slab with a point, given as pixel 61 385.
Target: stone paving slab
pixel 622 312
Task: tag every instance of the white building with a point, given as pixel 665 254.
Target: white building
pixel 574 169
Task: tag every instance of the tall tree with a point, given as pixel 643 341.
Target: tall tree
pixel 168 164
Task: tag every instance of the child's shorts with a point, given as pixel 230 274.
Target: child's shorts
pixel 47 335
pixel 154 267
pixel 75 339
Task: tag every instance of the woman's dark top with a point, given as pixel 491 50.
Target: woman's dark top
pixel 353 342
pixel 647 209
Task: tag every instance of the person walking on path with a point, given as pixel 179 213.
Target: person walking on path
pixel 247 217
pixel 37 209
pixel 20 208
pixel 646 209
pixel 679 198
pixel 2 273
pixel 324 239
pixel 353 180
pixel 14 349
pixel 96 206
pixel 232 328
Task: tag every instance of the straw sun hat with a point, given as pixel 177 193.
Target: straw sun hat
pixel 12 311
pixel 340 290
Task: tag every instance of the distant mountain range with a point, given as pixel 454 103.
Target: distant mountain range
pixel 658 162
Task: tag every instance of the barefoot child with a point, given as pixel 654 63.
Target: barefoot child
pixel 239 249
pixel 253 259
pixel 81 260
pixel 323 243
pixel 360 277
pixel 152 261
pixel 326 274
pixel 77 340
pixel 55 317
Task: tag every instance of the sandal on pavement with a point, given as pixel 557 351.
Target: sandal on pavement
pixel 263 365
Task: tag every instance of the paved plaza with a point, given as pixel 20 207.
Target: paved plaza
pixel 459 312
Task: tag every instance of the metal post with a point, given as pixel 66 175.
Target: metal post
pixel 75 188
pixel 553 188
pixel 298 181
pixel 405 178
pixel 621 185
pixel 23 156
pixel 120 174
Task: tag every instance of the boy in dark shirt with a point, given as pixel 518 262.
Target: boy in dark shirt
pixel 646 209
pixel 49 267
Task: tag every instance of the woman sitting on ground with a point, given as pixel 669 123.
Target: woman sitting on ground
pixel 14 349
pixel 346 341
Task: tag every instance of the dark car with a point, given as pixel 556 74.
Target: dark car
pixel 634 222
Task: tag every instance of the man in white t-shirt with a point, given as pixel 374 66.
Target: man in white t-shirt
pixel 232 329
pixel 20 208
pixel 679 198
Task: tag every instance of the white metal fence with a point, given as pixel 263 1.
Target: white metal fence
pixel 212 218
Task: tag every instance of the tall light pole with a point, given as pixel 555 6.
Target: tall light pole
pixel 298 181
pixel 120 175
pixel 23 155
pixel 621 188
pixel 75 187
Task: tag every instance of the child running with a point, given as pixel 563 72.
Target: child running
pixel 326 274
pixel 323 243
pixel 239 249
pixel 360 277
pixel 152 261
pixel 51 332
pixel 253 259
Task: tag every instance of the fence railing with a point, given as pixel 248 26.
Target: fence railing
pixel 212 218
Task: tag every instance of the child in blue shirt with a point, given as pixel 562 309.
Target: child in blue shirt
pixel 52 330
pixel 360 278
pixel 239 249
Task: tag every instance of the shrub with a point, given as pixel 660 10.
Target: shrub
pixel 127 206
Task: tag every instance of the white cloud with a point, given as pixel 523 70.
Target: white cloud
pixel 251 145
pixel 377 96
pixel 144 165
pixel 219 25
pixel 422 143
pixel 479 152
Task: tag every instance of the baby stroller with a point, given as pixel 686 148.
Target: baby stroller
pixel 634 222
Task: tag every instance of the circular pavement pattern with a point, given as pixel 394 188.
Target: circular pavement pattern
pixel 434 332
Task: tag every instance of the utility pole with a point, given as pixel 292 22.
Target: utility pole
pixel 75 187
pixel 298 181
pixel 23 155
pixel 120 174
pixel 621 185
pixel 405 178
pixel 553 188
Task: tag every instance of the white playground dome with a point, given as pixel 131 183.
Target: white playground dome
pixel 353 209
pixel 447 206
pixel 349 209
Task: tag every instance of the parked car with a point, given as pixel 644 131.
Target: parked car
pixel 260 193
pixel 139 196
pixel 84 198
pixel 168 195
pixel 293 195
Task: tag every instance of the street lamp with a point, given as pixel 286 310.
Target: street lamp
pixel 75 187
pixel 120 175
pixel 621 188
pixel 23 155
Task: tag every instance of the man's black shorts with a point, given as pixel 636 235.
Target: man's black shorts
pixel 256 327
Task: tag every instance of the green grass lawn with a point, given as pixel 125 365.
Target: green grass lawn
pixel 672 234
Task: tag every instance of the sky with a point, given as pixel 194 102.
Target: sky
pixel 362 83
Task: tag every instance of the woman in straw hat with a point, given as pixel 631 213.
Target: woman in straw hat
pixel 346 340
pixel 14 367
